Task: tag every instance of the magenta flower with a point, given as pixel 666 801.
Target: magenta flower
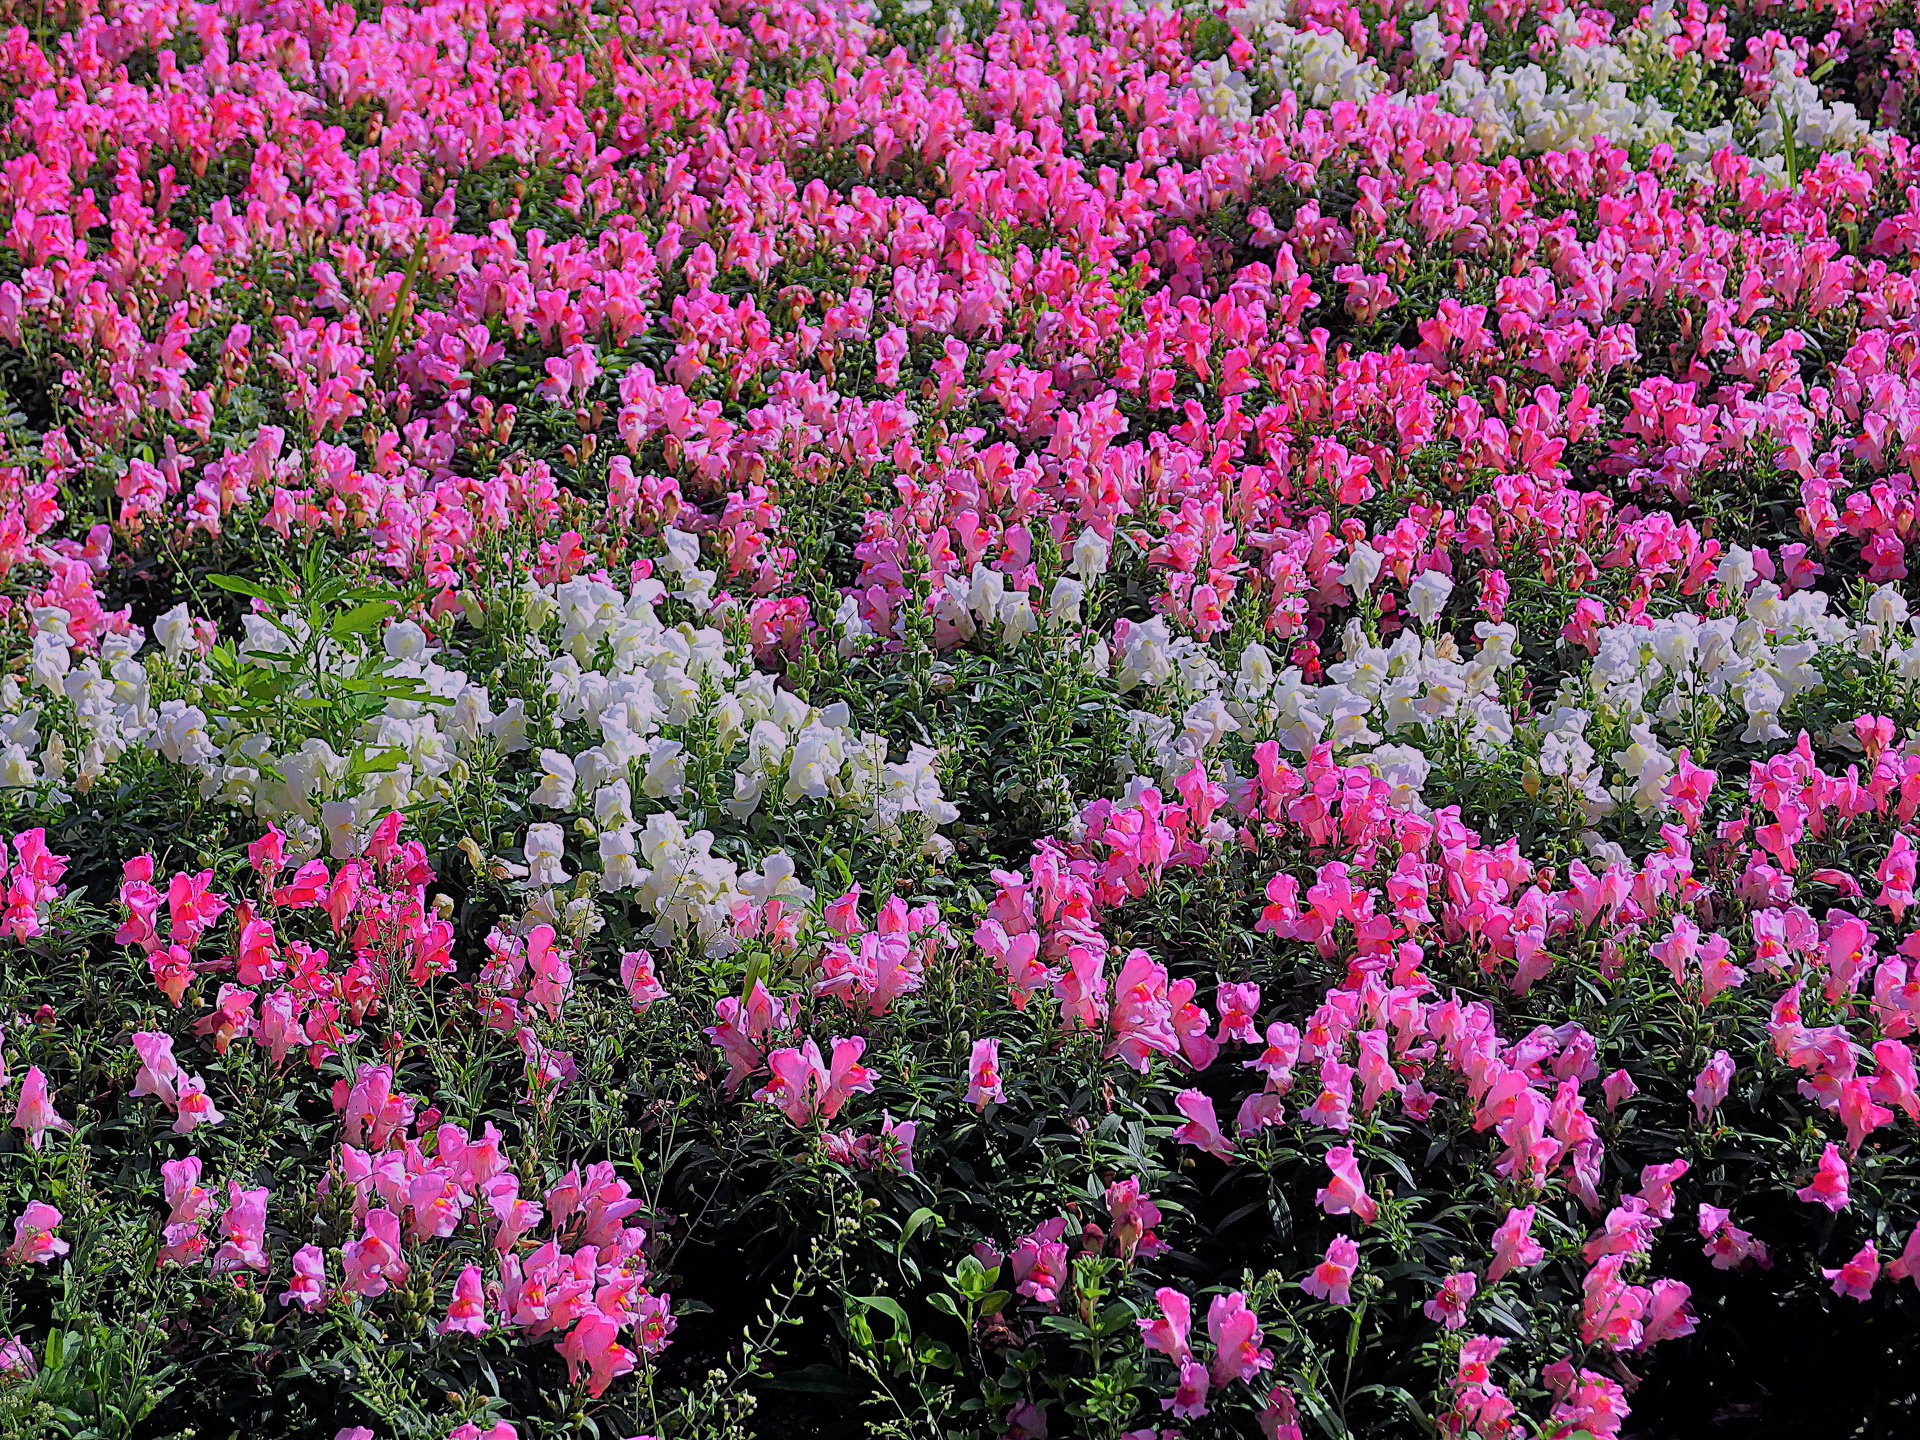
pixel 845 1076
pixel 1346 1193
pixel 1617 1089
pixel 1656 1187
pixel 159 1071
pixel 308 1288
pixel 1039 1262
pixel 1667 1316
pixel 1906 1266
pixel 1829 1184
pixel 1189 1401
pixel 1611 1309
pixel 1168 1331
pixel 1449 1305
pixel 374 1261
pixel 1711 1085
pixel 1727 1245
pixel 797 1075
pixel 593 1345
pixel 638 980
pixel 1514 1247
pixel 243 1228
pixel 1332 1278
pixel 983 1075
pixel 195 1106
pixel 1239 1007
pixel 35 1113
pixel 1855 1279
pixel 1202 1127
pixel 34 1241
pixel 1133 1217
pixel 1235 1333
pixel 16 1360
pixel 467 1310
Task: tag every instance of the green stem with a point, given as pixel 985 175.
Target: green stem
pixel 384 360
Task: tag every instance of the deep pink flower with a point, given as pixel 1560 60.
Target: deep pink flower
pixel 35 1113
pixel 1168 1332
pixel 638 980
pixel 1667 1316
pixel 1449 1305
pixel 159 1071
pixel 374 1261
pixel 1189 1401
pixel 1857 1277
pixel 467 1309
pixel 1346 1193
pixel 1514 1247
pixel 308 1289
pixel 34 1241
pixel 1829 1184
pixel 1235 1332
pixel 1711 1085
pixel 1202 1128
pixel 983 1075
pixel 243 1230
pixel 1332 1278
pixel 593 1345
pixel 1906 1266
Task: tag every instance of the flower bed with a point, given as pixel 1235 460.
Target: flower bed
pixel 819 719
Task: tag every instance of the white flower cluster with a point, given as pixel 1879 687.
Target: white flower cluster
pixel 630 705
pixel 1629 88
pixel 1418 687
pixel 107 700
pixel 1224 92
pixel 1684 676
pixel 651 698
pixel 1582 92
pixel 1608 742
pixel 1317 65
pixel 1793 105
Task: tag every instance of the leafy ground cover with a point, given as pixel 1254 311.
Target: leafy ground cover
pixel 803 718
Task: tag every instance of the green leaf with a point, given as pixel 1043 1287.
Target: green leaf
pixel 361 619
pixel 889 1308
pixel 923 1216
pixel 234 585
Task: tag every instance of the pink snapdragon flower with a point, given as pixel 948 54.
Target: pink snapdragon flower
pixel 34 1113
pixel 34 1240
pixel 1332 1278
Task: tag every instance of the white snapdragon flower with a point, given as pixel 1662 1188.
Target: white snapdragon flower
pixel 1224 92
pixel 1430 46
pixel 545 850
pixel 1063 605
pixel 174 631
pixel 665 775
pixel 1146 656
pixel 182 734
pixel 1886 606
pixel 404 641
pixel 557 776
pixel 1428 595
pixel 618 870
pixel 1362 569
pixel 1090 553
pixel 509 727
pixel 17 769
pixel 613 806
